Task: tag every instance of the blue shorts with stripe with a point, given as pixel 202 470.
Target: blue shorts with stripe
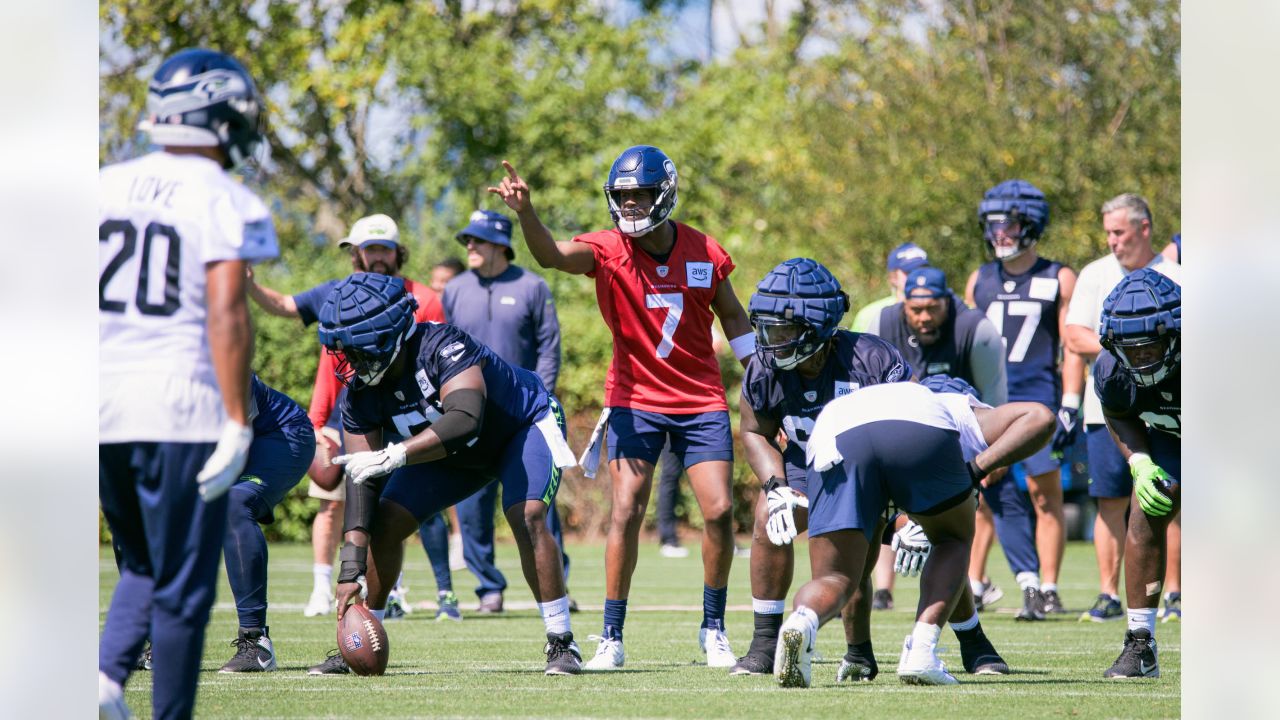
pixel 695 438
pixel 524 467
pixel 918 467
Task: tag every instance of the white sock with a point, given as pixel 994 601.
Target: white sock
pixel 555 615
pixel 323 576
pixel 1049 587
pixel 1143 619
pixel 380 614
pixel 925 634
pixel 808 617
pixel 969 624
pixel 399 588
pixel 977 586
pixel 768 607
pixel 1028 580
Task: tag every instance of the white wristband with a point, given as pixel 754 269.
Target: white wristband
pixel 743 345
pixel 1138 457
pixel 1071 401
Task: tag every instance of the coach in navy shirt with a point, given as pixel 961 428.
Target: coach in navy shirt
pixel 510 310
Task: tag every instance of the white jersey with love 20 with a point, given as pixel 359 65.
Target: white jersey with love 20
pixel 910 402
pixel 161 219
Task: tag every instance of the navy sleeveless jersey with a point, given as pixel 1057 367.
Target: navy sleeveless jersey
pixel 1160 407
pixel 856 360
pixel 437 352
pixel 949 355
pixel 1024 308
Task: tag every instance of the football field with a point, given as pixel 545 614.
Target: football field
pixel 491 667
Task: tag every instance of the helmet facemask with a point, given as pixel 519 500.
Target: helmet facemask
pixel 635 221
pixel 358 368
pixel 784 344
pixel 997 224
pixel 1148 360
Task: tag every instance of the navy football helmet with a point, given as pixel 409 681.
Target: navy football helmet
pixel 204 98
pixel 795 310
pixel 1009 204
pixel 643 167
pixel 363 323
pixel 948 384
pixel 1141 325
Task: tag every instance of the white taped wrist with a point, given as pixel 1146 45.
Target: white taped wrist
pixel 1071 400
pixel 743 345
pixel 1136 458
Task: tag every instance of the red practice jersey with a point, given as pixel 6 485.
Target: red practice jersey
pixel 660 315
pixel 325 394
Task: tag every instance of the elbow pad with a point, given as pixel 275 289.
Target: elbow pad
pixel 361 503
pixel 462 420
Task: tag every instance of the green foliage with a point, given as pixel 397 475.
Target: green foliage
pixel 838 134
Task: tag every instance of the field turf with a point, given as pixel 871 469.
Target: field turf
pixel 491 667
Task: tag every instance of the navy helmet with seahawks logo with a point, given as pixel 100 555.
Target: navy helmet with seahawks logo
pixel 1009 205
pixel 1141 325
pixel 642 167
pixel 795 310
pixel 363 322
pixel 204 98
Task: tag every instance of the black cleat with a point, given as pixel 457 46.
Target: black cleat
pixel 858 664
pixel 979 655
pixel 563 655
pixel 1032 605
pixel 882 600
pixel 1052 603
pixel 254 652
pixel 753 663
pixel 144 660
pixel 1137 659
pixel 573 605
pixel 332 665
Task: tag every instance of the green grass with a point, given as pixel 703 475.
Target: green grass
pixel 492 666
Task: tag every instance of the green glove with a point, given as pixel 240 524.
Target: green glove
pixel 1152 484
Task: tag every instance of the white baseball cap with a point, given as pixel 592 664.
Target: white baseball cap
pixel 373 229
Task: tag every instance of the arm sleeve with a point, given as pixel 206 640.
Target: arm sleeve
pixel 547 329
pixel 986 358
pixel 325 392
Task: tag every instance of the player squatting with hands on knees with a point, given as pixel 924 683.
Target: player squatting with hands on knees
pixel 431 417
pixel 174 425
pixel 802 362
pixel 1138 380
pixel 925 452
pixel 657 284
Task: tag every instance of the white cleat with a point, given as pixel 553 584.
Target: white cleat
pixel 716 646
pixel 609 655
pixel 673 551
pixel 921 666
pixel 321 603
pixel 111 705
pixel 793 660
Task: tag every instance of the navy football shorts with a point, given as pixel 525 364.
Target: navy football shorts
pixel 919 467
pixel 277 461
pixel 695 438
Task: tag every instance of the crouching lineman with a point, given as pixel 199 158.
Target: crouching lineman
pixel 899 442
pixel 283 446
pixel 1139 381
pixel 432 417
pixel 802 362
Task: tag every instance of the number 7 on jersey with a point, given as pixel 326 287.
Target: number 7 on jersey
pixel 674 304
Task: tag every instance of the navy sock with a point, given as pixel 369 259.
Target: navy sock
pixel 713 602
pixel 435 540
pixel 615 613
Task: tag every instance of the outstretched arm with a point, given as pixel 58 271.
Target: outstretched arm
pixel 275 303
pixel 1013 432
pixel 571 257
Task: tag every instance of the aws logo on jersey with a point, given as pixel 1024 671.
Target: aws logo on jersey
pixel 698 274
pixel 845 387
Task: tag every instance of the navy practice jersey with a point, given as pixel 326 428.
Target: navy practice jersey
pixel 1024 309
pixel 1160 407
pixel 272 410
pixel 856 360
pixel 437 352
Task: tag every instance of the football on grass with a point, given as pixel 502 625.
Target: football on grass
pixel 363 641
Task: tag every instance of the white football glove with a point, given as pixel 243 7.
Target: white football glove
pixel 223 467
pixel 370 464
pixel 781 526
pixel 912 548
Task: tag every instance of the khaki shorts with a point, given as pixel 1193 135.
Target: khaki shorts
pixel 338 494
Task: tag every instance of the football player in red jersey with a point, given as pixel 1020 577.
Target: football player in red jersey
pixel 657 284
